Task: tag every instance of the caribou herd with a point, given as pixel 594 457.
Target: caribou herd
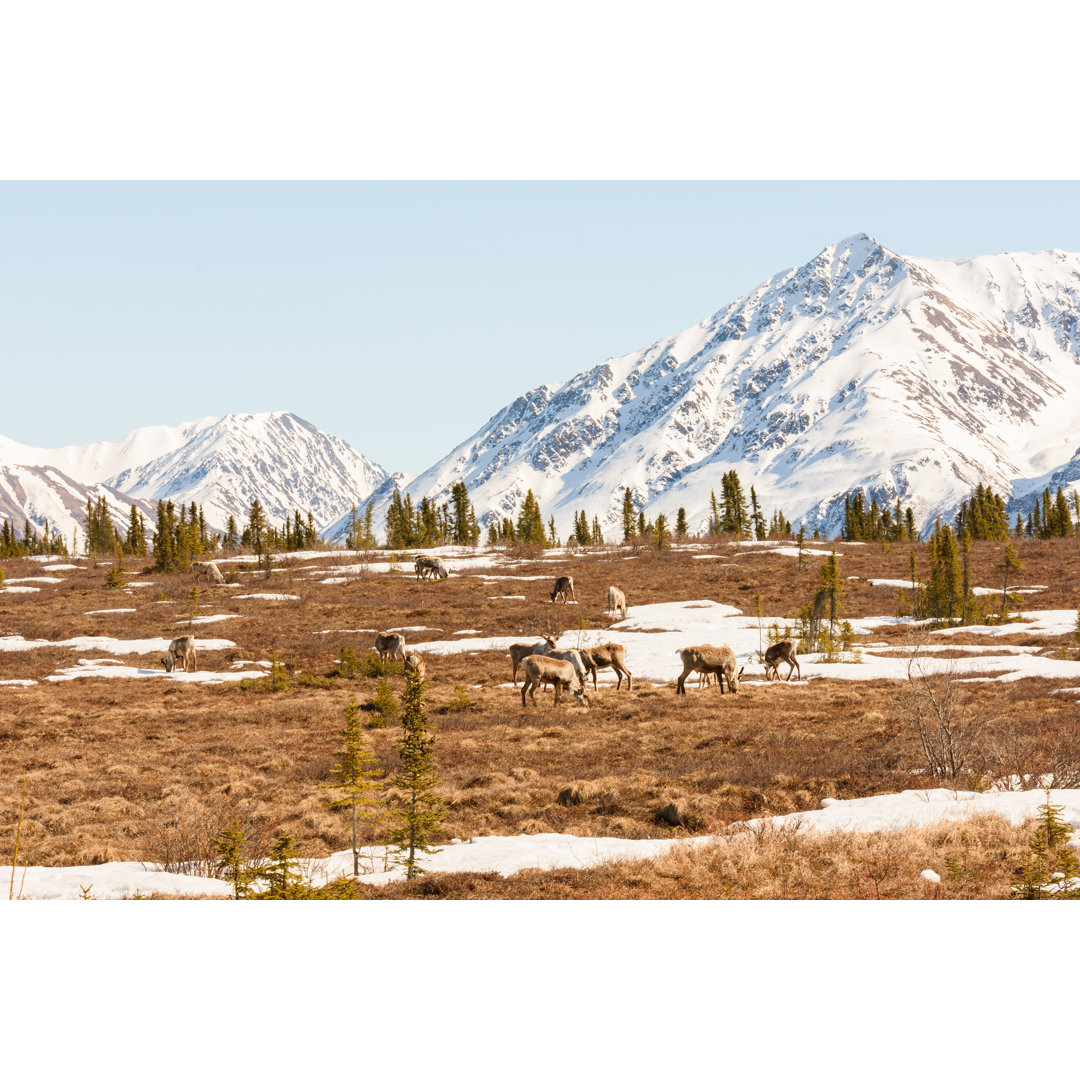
pixel 543 662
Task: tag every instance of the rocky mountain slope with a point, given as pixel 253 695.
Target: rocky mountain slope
pixel 222 464
pixel 910 378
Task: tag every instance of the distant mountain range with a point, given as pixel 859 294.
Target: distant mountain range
pixel 907 378
pixel 222 464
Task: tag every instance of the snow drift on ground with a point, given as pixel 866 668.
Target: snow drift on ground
pixel 508 854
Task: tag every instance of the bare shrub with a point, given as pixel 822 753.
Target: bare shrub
pixel 941 710
pixel 1023 761
pixel 181 833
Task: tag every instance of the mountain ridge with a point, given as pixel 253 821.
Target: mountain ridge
pixel 905 377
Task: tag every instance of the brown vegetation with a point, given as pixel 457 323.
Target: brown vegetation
pixel 132 769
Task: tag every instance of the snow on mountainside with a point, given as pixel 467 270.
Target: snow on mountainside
pixel 220 463
pixel 41 493
pixel 910 378
pixel 287 463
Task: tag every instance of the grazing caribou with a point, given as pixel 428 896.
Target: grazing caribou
pixel 609 655
pixel 560 673
pixel 208 570
pixel 520 649
pixel 428 566
pixel 711 659
pixel 182 649
pixel 390 645
pixel 616 600
pixel 785 651
pixel 564 587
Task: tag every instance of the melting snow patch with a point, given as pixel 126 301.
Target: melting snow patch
pixel 61 566
pixel 113 669
pixel 786 550
pixel 267 596
pixel 18 682
pixel 20 588
pixel 201 619
pixel 466 631
pixel 118 610
pixel 44 580
pixel 16 643
pixel 506 597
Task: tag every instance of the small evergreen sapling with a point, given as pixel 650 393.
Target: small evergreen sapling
pixel 115 579
pixel 355 774
pixel 282 871
pixel 420 811
pixel 384 704
pixel 232 863
pixel 1050 860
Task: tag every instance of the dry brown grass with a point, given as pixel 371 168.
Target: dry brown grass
pixel 975 859
pixel 108 762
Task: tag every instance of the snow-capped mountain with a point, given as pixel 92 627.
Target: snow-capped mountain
pixel 42 493
pixel 285 462
pixel 222 464
pixel 917 378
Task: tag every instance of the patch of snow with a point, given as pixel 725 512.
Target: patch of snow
pixel 787 549
pixel 119 610
pixel 112 669
pixel 267 596
pixel 17 643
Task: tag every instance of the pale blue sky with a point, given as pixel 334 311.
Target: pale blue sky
pixel 400 316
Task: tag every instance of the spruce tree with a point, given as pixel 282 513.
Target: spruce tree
pixel 629 520
pixel 830 592
pixel 681 528
pixel 420 811
pixel 757 519
pixel 282 871
pixel 355 774
pixel 1009 561
pixel 232 863
pixel 597 532
pixel 464 516
pixel 661 531
pixel 944 591
pixel 256 529
pixel 530 523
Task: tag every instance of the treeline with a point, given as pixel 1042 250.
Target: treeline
pixel 15 546
pixel 731 516
pixel 529 528
pixel 862 523
pixel 948 594
pixel 429 525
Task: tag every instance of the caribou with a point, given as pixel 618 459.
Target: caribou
pixel 785 651
pixel 182 649
pixel 716 660
pixel 560 673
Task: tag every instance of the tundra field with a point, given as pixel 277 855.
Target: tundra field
pixel 124 762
